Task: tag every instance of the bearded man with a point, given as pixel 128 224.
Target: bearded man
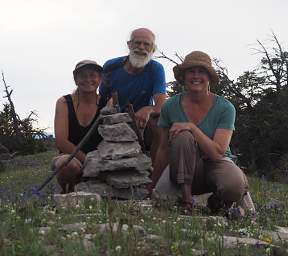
pixel 138 80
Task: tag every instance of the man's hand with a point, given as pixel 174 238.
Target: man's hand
pixel 142 116
pixel 178 127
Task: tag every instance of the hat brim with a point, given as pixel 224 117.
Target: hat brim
pixel 181 68
pixel 96 67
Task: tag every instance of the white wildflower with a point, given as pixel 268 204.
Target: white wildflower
pixel 118 248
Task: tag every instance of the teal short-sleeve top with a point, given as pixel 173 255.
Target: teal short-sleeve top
pixel 221 115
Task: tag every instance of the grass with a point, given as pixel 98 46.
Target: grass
pixel 22 217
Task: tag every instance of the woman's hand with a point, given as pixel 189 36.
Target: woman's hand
pixel 178 127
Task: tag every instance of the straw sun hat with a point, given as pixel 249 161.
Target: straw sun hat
pixel 196 59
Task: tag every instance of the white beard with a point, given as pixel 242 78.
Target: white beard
pixel 139 61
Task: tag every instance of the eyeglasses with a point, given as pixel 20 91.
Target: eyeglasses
pixel 138 43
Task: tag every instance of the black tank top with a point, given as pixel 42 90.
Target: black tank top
pixel 77 131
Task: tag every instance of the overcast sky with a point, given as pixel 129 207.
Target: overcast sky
pixel 41 40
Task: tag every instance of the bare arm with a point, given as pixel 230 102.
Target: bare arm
pixel 213 149
pixel 161 157
pixel 159 99
pixel 61 130
pixel 143 114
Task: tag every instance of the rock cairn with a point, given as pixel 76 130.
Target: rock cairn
pixel 118 168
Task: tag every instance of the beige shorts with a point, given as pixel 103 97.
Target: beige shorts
pixel 60 159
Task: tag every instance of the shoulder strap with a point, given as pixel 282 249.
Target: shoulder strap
pixel 71 110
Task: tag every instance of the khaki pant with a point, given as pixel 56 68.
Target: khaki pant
pixel 187 166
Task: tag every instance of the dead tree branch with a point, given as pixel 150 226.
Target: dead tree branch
pixel 12 108
pixel 164 56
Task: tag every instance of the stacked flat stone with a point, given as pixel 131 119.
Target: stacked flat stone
pixel 118 168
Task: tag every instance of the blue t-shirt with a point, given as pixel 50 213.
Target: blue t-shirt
pixel 221 115
pixel 137 89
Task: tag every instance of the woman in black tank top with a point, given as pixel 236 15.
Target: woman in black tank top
pixel 74 116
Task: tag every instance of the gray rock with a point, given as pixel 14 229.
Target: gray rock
pixel 211 219
pixel 136 193
pixel 96 165
pixel 282 229
pixel 91 161
pixel 274 204
pixel 232 241
pixel 116 118
pixel 152 237
pixel 105 190
pixel 112 150
pixel 117 133
pixel 77 227
pixel 126 179
pixel 276 236
pixel 95 187
pixel 75 198
pixel 109 110
pixel 116 227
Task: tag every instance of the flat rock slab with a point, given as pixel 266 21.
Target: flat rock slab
pixel 136 193
pixel 117 133
pixel 232 242
pixel 116 227
pixel 116 118
pixel 276 236
pixel 74 227
pixel 75 198
pixel 95 187
pixel 114 151
pixel 95 164
pixel 282 229
pixel 126 179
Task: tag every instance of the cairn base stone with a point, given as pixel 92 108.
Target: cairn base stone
pixel 136 193
pixel 127 179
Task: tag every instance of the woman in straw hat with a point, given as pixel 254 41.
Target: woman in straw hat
pixel 74 116
pixel 196 129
